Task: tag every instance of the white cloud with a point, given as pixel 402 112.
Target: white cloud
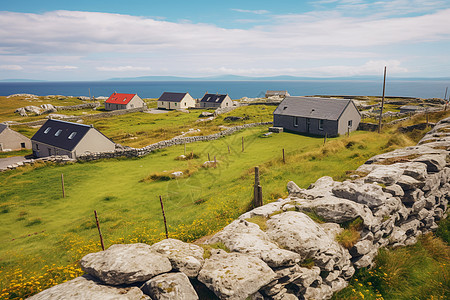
pixel 11 67
pixel 325 42
pixel 256 12
pixel 60 68
pixel 122 69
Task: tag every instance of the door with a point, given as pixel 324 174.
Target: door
pixel 308 124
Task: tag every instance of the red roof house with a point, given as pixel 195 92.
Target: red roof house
pixel 123 101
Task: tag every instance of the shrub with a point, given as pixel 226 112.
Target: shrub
pixel 351 233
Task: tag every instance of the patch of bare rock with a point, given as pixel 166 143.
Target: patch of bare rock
pixel 277 251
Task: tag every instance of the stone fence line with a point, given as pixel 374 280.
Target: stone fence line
pixel 136 152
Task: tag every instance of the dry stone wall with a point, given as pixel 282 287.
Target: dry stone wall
pixel 403 195
pixel 137 152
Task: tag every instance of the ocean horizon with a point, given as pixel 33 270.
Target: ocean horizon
pixel 236 89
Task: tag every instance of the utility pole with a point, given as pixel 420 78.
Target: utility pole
pixel 382 101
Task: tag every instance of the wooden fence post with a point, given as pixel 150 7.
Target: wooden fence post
pixel 325 138
pixel 284 159
pixel 209 159
pixel 62 186
pixel 99 231
pixel 257 192
pixel 164 216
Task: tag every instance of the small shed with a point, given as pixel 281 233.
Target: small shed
pixel 123 101
pixel 170 100
pixel 215 101
pixel 58 137
pixel 12 140
pixel 281 94
pixel 317 116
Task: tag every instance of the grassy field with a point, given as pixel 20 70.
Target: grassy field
pixel 141 129
pixel 44 235
pixel 40 228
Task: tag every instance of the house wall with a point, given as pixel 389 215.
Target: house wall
pixel 93 141
pixel 163 104
pixel 330 127
pixel 113 106
pixel 135 102
pixel 187 102
pixel 350 113
pixel 10 139
pixel 43 150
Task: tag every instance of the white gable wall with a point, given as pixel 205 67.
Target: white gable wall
pixel 94 141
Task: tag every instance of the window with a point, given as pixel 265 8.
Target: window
pixel 175 104
pixel 320 124
pixel 58 132
pixel 47 130
pixel 37 147
pixel 22 145
pixel 295 121
pixel 72 135
pixel 350 123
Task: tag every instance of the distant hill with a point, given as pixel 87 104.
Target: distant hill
pixel 231 77
pixel 21 80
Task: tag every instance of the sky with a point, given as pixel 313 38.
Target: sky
pixel 96 40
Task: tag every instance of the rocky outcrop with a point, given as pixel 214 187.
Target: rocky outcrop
pixel 287 249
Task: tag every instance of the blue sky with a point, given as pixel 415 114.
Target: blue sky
pixel 97 40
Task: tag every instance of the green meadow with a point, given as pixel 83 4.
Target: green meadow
pixel 44 235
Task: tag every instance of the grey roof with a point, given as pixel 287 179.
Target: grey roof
pixel 3 127
pixel 172 97
pixel 61 140
pixel 316 108
pixel 216 98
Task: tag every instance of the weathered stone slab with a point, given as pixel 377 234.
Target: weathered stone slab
pixel 125 264
pixel 184 257
pixel 170 286
pixel 246 237
pixel 88 288
pixel 370 194
pixel 234 275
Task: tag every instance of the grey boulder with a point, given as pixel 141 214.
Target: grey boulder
pixel 234 275
pixel 88 288
pixel 184 257
pixel 125 264
pixel 170 286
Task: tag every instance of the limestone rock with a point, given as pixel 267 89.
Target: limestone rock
pixel 293 188
pixel 337 210
pixel 125 264
pixel 370 194
pixel 384 174
pixel 296 232
pixel 408 183
pixel 434 162
pixel 234 275
pixel 170 286
pixel 246 237
pixel 361 248
pixel 88 288
pixel 265 210
pixel 184 257
pixel 394 190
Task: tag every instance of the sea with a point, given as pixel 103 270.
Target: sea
pixel 235 89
